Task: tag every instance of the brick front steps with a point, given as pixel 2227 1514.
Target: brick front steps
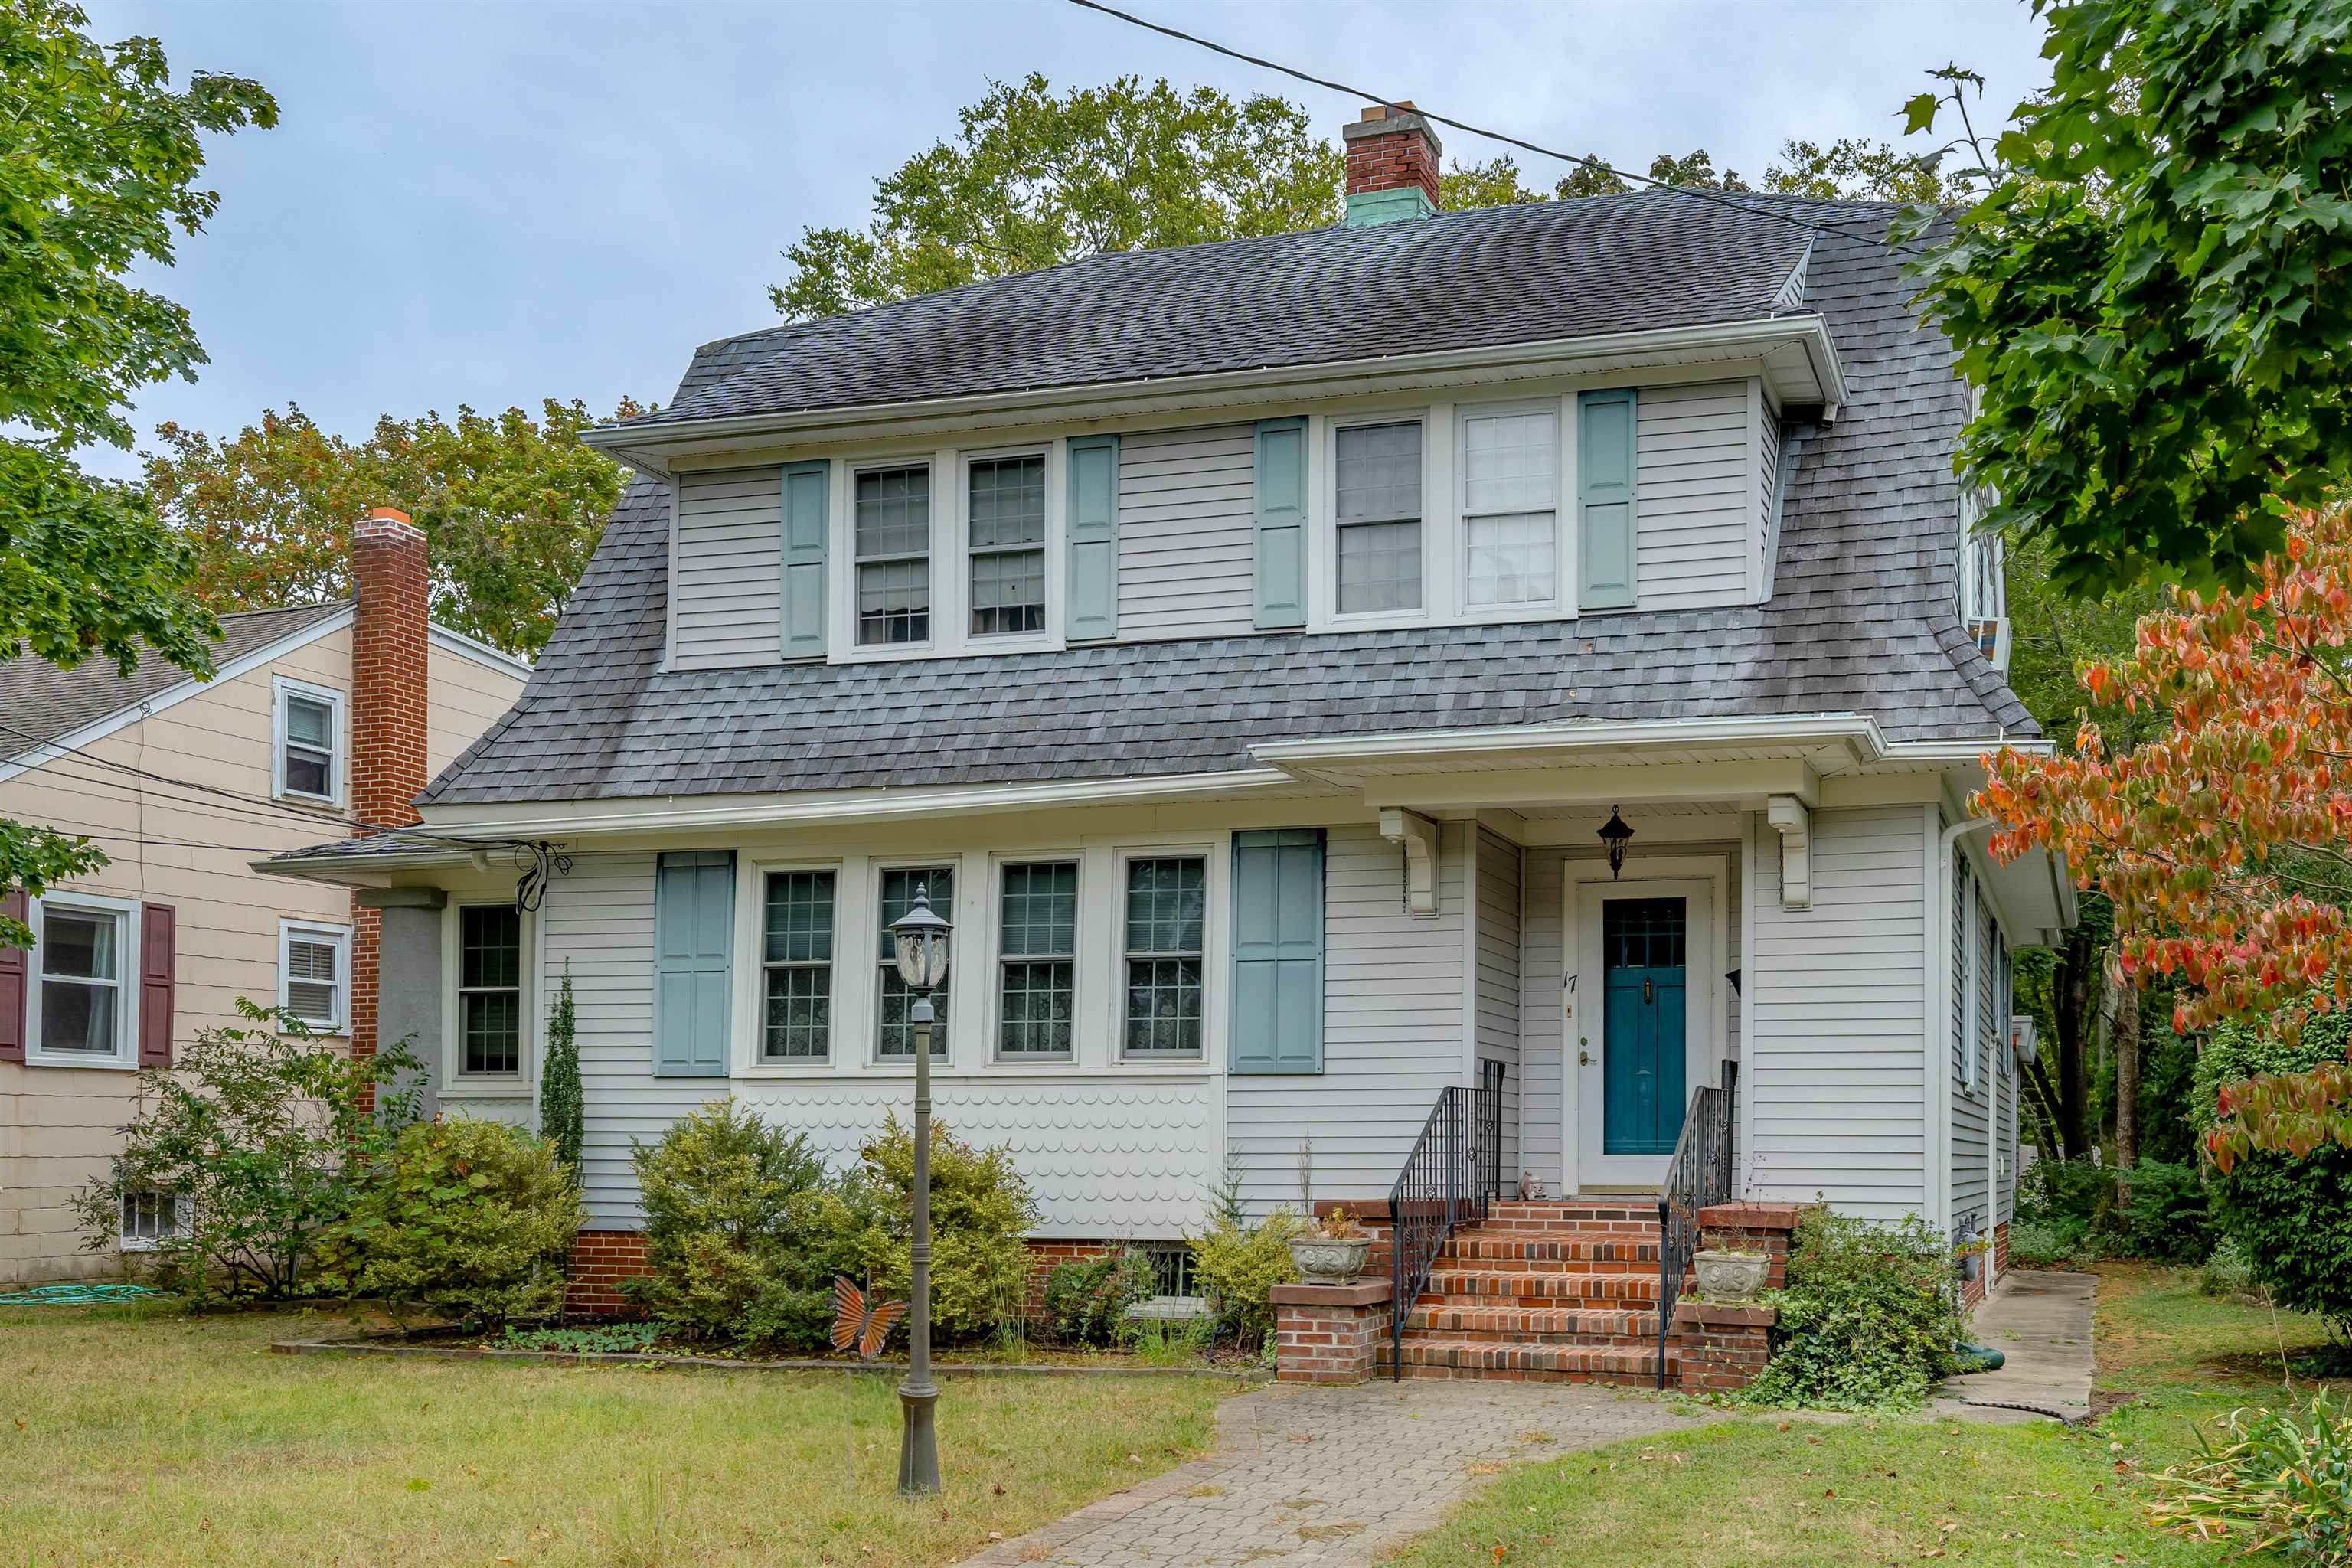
pixel 1564 1291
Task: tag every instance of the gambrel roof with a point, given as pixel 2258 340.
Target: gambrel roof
pixel 1862 620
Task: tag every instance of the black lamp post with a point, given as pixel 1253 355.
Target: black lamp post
pixel 920 938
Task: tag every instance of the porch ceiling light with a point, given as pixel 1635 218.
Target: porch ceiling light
pixel 1614 833
pixel 920 939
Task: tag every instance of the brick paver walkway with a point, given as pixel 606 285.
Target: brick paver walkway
pixel 1314 1478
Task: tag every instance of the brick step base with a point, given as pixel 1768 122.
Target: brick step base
pixel 1533 1288
pixel 1438 1357
pixel 1485 1249
pixel 1531 1325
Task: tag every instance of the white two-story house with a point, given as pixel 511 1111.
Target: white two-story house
pixel 1246 645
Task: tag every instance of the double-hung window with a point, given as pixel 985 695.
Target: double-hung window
pixel 899 885
pixel 1378 517
pixel 1037 950
pixel 87 982
pixel 489 990
pixel 314 973
pixel 1007 508
pixel 1510 508
pixel 307 764
pixel 797 958
pixel 1167 917
pixel 892 522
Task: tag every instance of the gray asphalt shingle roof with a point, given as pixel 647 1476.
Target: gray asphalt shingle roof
pixel 39 701
pixel 1505 275
pixel 1862 621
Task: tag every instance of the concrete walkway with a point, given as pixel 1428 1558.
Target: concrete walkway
pixel 1315 1478
pixel 2042 1322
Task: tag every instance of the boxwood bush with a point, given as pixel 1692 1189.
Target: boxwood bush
pixel 982 1214
pixel 2291 1217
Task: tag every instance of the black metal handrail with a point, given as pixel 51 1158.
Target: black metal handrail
pixel 1699 1175
pixel 1452 1176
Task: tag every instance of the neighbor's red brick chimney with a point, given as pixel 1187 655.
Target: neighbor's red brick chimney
pixel 388 697
pixel 1392 169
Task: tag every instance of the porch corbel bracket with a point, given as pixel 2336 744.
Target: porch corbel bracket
pixel 1418 835
pixel 1793 820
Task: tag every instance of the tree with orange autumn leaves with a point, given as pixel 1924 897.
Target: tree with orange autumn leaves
pixel 2226 841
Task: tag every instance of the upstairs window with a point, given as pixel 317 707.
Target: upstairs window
pixel 893 519
pixel 314 976
pixel 307 764
pixel 489 989
pixel 1378 515
pixel 1007 504
pixel 1510 508
pixel 1037 950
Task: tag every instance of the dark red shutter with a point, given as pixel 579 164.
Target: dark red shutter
pixel 16 906
pixel 157 954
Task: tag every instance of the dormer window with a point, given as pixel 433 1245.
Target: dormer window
pixel 894 555
pixel 1007 506
pixel 1379 517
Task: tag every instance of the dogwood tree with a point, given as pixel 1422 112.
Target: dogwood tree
pixel 2224 840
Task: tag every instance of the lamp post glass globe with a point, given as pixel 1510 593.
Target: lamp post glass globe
pixel 919 941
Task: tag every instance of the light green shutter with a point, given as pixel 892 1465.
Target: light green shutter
pixel 1605 456
pixel 807 513
pixel 1282 522
pixel 1279 952
pixel 694 925
pixel 1094 537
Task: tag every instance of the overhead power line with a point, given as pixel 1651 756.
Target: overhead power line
pixel 1696 193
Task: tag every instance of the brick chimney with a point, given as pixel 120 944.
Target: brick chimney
pixel 1392 166
pixel 388 698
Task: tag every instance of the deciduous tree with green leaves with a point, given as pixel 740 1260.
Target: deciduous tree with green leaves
pixel 512 507
pixel 98 160
pixel 2151 293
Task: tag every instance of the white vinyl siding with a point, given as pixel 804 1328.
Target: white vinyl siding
pixel 1392 1033
pixel 1499 1004
pixel 1972 1119
pixel 600 919
pixel 1832 1071
pixel 1187 524
pixel 728 573
pixel 1766 435
pixel 1692 453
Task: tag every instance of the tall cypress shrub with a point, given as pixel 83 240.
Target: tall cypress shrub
pixel 562 1109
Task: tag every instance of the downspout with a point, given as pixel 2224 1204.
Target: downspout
pixel 1939 1022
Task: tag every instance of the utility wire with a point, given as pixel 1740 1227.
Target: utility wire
pixel 1699 192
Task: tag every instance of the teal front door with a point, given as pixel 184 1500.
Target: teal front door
pixel 1643 967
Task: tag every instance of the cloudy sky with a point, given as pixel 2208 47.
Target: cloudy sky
pixel 504 200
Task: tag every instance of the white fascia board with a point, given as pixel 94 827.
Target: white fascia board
pixel 1858 733
pixel 172 696
pixel 1937 753
pixel 360 871
pixel 649 447
pixel 480 652
pixel 818 808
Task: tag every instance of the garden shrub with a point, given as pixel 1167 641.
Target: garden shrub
pixel 1868 1317
pixel 2041 1244
pixel 261 1135
pixel 734 1240
pixel 2167 1220
pixel 2282 1483
pixel 2077 1209
pixel 1087 1301
pixel 2226 1275
pixel 469 1219
pixel 2291 1216
pixel 1239 1264
pixel 980 1217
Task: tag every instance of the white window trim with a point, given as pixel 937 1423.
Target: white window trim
pixel 1124 856
pixel 756 949
pixel 125 1242
pixel 1563 507
pixel 1081 961
pixel 282 687
pixel 288 931
pixel 127 980
pixel 1439 520
pixel 1051 637
pixel 456 1082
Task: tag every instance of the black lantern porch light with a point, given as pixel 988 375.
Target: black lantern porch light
pixel 920 939
pixel 1614 833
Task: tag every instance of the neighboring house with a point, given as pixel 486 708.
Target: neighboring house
pixel 318 719
pixel 1246 645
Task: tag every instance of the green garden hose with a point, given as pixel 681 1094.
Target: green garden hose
pixel 78 1295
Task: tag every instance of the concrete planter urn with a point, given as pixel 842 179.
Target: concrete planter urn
pixel 1730 1276
pixel 1326 1260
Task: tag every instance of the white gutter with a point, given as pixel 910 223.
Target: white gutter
pixel 1853 729
pixel 1808 331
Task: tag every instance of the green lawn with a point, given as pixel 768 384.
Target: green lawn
pixel 133 1436
pixel 1835 1494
